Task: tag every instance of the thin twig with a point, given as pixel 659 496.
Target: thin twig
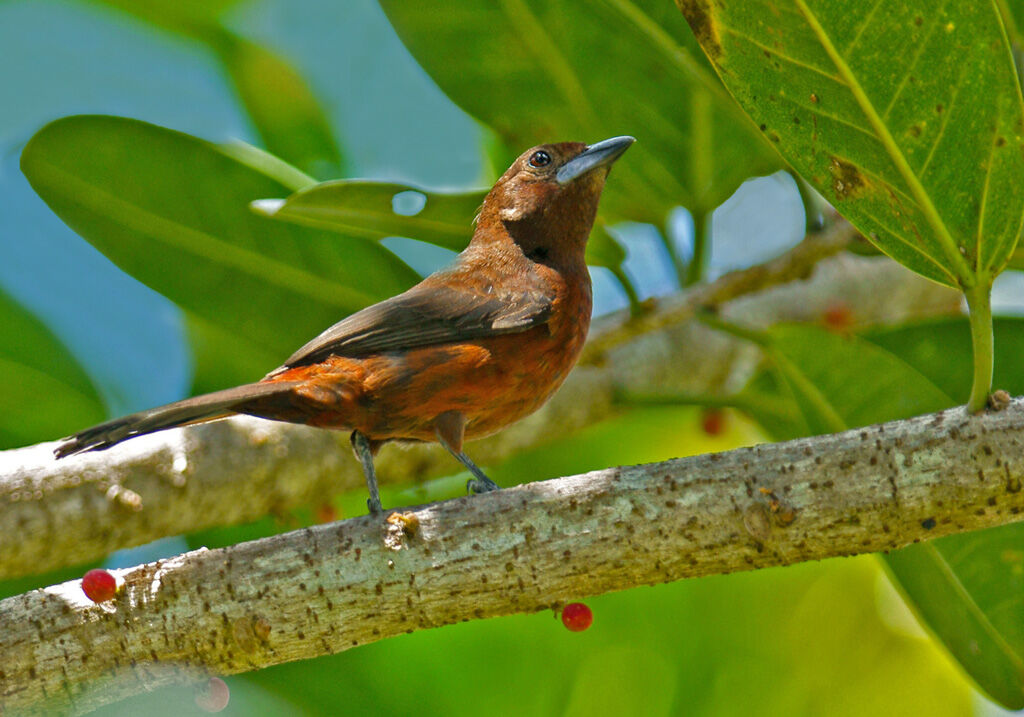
pixel 797 263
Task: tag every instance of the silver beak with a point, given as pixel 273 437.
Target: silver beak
pixel 594 156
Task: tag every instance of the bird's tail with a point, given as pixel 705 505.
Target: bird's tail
pixel 198 409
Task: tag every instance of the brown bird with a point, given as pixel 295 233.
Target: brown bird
pixel 464 353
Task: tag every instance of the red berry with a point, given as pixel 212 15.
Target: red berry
pixel 577 617
pixel 213 696
pixel 713 421
pixel 99 585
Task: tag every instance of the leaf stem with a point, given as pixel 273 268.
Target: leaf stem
pixel 673 253
pixel 755 336
pixel 699 260
pixel 979 305
pixel 813 220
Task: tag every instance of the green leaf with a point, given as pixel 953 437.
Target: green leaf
pixel 836 382
pixel 941 350
pixel 1012 13
pixel 173 211
pixel 282 107
pixel 547 70
pixel 223 358
pixel 967 588
pixel 46 394
pixel 375 210
pixel 266 163
pixel 1016 260
pixel 906 116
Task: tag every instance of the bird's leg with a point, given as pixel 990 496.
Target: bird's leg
pixel 364 452
pixel 479 483
pixel 450 427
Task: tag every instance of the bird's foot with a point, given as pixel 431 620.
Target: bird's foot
pixel 481 484
pixel 374 505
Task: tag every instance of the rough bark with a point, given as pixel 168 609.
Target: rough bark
pixel 82 508
pixel 332 587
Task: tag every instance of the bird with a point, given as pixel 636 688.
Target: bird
pixel 467 351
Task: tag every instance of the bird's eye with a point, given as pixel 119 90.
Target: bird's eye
pixel 540 158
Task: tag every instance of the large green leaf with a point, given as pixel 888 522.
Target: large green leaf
pixel 967 588
pixel 907 117
pixel 941 350
pixel 547 70
pixel 173 211
pixel 834 382
pixel 46 392
pixel 381 209
pixel 222 358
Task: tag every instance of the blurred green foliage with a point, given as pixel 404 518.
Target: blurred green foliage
pixel 46 392
pixel 175 212
pixel 969 587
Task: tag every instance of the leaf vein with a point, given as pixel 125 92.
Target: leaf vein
pixel 931 213
pixel 913 62
pixel 782 56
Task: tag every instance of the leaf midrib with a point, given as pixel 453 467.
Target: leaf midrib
pixel 335 220
pixel 945 238
pixel 312 210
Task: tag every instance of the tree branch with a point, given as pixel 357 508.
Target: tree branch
pixel 797 263
pixel 80 509
pixel 331 587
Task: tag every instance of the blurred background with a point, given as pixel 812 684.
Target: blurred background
pixel 827 638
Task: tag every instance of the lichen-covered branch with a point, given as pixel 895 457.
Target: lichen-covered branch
pixel 332 587
pixel 82 508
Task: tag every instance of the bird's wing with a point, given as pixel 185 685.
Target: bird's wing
pixel 427 315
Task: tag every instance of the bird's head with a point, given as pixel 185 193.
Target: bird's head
pixel 548 197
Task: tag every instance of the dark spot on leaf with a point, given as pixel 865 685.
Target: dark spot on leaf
pixel 763 127
pixel 698 15
pixel 847 180
pixel 938 109
pixel 918 20
pixel 1000 141
pixel 915 130
pixel 796 120
pixel 928 523
pixel 774 137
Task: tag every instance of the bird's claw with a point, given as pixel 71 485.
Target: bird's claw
pixel 374 505
pixel 481 485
